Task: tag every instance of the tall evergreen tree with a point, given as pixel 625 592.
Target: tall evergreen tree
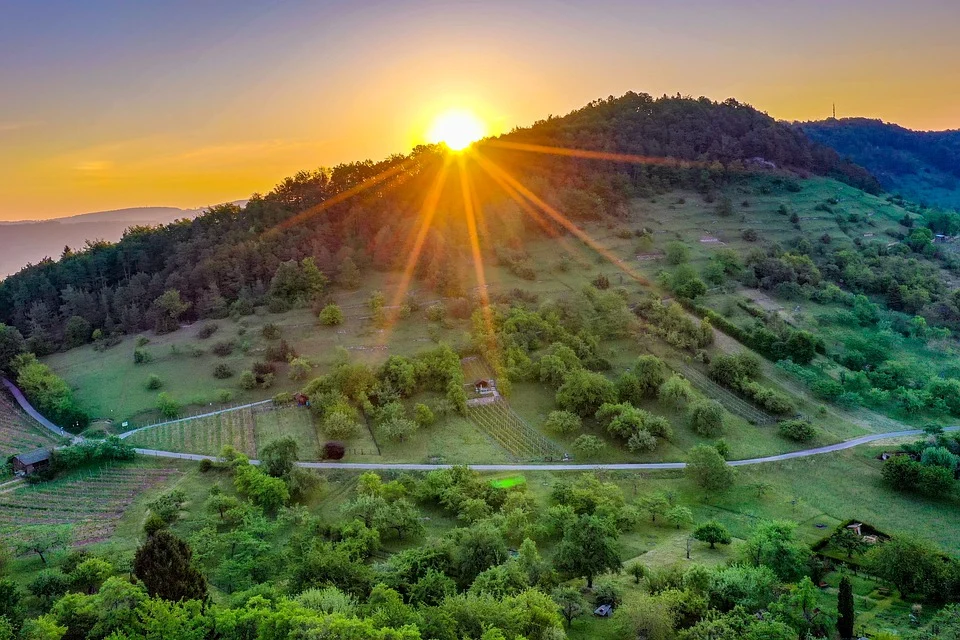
pixel 163 564
pixel 845 612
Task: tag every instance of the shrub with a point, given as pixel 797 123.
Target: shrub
pixel 153 382
pixel 601 282
pixel 207 330
pixel 224 396
pixel 280 351
pixel 222 372
pixel 588 445
pixel 333 451
pixel 563 422
pixel 167 406
pixel 223 349
pixel 142 341
pixel 677 253
pixel 270 331
pixel 751 235
pixel 340 426
pixel 798 430
pixel 284 397
pixel 330 316
pixel 300 368
pixel 706 418
pixel 142 356
pixel 423 416
pixel 398 429
pixel 205 465
pixel 247 380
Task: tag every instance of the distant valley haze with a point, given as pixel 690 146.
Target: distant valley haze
pixel 30 241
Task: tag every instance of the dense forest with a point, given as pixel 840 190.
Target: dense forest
pixel 921 165
pixel 230 258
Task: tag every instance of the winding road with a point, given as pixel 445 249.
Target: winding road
pixel 616 466
pixel 408 466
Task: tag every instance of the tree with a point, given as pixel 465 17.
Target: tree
pixel 168 308
pixel 339 426
pixel 650 372
pixel 647 617
pixel 167 406
pixel 712 532
pixel 772 544
pixel 349 274
pixel 910 564
pixel 90 574
pixel 676 391
pixel 583 392
pixel 571 603
pixel 40 540
pixel 588 445
pixel 563 422
pixel 638 571
pixel 654 505
pixel 848 540
pixel 708 469
pixel 43 628
pixel 12 345
pixel 398 429
pixel 677 253
pixel 846 615
pixel 589 548
pixel 163 564
pixel 76 332
pixel 423 415
pixel 799 609
pixel 706 417
pixel 300 368
pixel 679 516
pixel 279 456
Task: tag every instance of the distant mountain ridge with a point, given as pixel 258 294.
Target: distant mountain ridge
pixel 923 166
pixel 30 241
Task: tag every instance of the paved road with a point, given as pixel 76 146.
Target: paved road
pixel 625 466
pixel 33 413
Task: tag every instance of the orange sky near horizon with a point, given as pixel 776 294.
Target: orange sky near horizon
pixel 147 110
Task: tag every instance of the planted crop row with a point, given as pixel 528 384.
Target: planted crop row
pixel 18 432
pixel 206 435
pixel 92 505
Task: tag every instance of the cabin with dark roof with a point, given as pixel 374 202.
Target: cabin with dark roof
pixel 26 463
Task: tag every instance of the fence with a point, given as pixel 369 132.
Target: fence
pixel 733 403
pixel 511 432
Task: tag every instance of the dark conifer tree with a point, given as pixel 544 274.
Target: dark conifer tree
pixel 845 613
pixel 163 564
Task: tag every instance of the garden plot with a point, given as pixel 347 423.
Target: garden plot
pixel 91 504
pixel 290 421
pixel 18 431
pixel 206 435
pixel 520 440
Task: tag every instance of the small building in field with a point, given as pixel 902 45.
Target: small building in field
pixel 302 400
pixel 31 462
pixel 484 387
pixel 603 611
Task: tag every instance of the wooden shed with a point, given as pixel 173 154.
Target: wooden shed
pixel 26 463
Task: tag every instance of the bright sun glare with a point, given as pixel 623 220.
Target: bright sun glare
pixel 456 129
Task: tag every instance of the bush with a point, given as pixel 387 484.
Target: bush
pixel 333 451
pixel 222 372
pixel 563 422
pixel 205 465
pixel 330 316
pixel 282 398
pixel 207 330
pixel 423 416
pixel 248 381
pixel 677 253
pixel 798 430
pixel 142 356
pixel 588 445
pixel 340 426
pixel 142 341
pixel 153 382
pixel 167 406
pixel 223 349
pixel 280 352
pixel 270 331
pixel 706 418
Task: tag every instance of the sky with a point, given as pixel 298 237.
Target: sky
pixel 106 105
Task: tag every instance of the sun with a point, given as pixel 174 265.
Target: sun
pixel 456 129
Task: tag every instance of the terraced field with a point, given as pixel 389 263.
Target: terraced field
pixel 18 431
pixel 91 504
pixel 207 435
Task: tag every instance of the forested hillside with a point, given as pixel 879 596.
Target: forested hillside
pixel 923 166
pixel 230 256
